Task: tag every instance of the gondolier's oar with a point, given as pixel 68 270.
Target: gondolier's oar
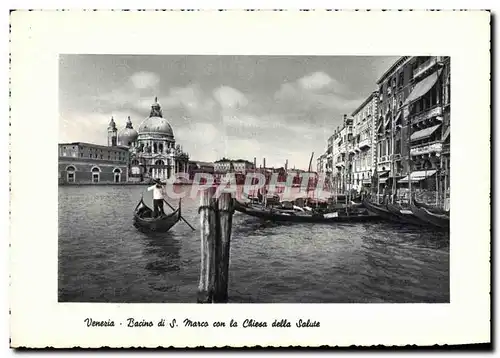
pixel 182 218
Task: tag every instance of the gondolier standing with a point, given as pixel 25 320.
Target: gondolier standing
pixel 157 198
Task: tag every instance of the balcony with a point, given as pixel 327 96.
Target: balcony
pixel 427 114
pixel 383 159
pixel 350 148
pixel 365 143
pixel 427 65
pixel 434 147
pixel 340 163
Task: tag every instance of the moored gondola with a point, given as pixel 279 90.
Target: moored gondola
pixel 278 214
pixel 430 208
pixel 144 219
pixel 381 211
pixel 439 221
pixel 406 215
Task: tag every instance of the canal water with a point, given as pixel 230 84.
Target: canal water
pixel 103 258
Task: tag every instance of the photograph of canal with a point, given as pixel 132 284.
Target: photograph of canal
pixel 254 179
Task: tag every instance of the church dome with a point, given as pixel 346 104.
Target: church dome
pixel 127 135
pixel 155 123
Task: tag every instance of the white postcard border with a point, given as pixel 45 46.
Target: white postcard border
pixel 37 320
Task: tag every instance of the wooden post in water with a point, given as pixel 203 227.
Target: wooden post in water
pixel 216 217
pixel 208 221
pixel 225 207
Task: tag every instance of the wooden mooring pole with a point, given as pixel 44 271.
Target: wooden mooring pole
pixel 216 218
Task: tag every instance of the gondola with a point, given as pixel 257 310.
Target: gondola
pixel 439 221
pixel 430 208
pixel 381 211
pixel 406 215
pixel 144 220
pixel 284 215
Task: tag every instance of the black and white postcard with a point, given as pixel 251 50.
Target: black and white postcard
pixel 236 178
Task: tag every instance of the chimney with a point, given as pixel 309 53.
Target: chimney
pixel 345 118
pixel 286 165
pixel 255 162
pixel 264 163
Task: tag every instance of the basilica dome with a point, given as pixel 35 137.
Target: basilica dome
pixel 127 135
pixel 155 123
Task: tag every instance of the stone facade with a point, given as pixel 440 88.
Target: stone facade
pixel 85 163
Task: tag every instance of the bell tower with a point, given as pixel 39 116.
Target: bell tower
pixel 112 133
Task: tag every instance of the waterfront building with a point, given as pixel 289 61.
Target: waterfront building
pixel 343 153
pixel 321 166
pixel 225 165
pixel 429 120
pixel 86 163
pixel 363 140
pixel 392 126
pixel 413 124
pixel 153 151
pixel 329 156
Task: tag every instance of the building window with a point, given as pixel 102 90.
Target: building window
pixel 95 174
pixel 117 173
pixel 70 174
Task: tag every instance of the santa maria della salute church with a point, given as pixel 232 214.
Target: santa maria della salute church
pixel 130 156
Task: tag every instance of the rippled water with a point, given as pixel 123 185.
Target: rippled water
pixel 103 258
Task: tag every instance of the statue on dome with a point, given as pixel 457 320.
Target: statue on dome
pixel 156 109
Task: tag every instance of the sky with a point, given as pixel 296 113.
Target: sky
pixel 274 107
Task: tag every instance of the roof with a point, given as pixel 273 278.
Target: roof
pixel 364 103
pixel 96 146
pixel 208 164
pixel 418 176
pixel 398 63
pixel 422 87
pixel 424 133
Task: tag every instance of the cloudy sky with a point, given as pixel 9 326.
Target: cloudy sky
pixel 275 107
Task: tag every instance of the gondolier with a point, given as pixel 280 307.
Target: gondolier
pixel 158 197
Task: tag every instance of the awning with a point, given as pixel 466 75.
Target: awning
pixel 383 174
pixel 424 133
pixel 422 87
pixel 382 180
pixel 418 176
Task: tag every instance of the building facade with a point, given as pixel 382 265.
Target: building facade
pixel 392 125
pixel 363 139
pixel 86 163
pixel 153 152
pixel 342 155
pixel 225 165
pixel 321 166
pixel 400 135
pixel 429 121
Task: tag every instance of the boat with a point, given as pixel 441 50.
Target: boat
pixel 144 220
pixel 303 216
pixel 440 221
pixel 382 211
pixel 430 208
pixel 405 214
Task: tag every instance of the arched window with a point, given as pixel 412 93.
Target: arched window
pixel 159 162
pixel 95 174
pixel 135 162
pixel 117 175
pixel 70 173
pixel 160 147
